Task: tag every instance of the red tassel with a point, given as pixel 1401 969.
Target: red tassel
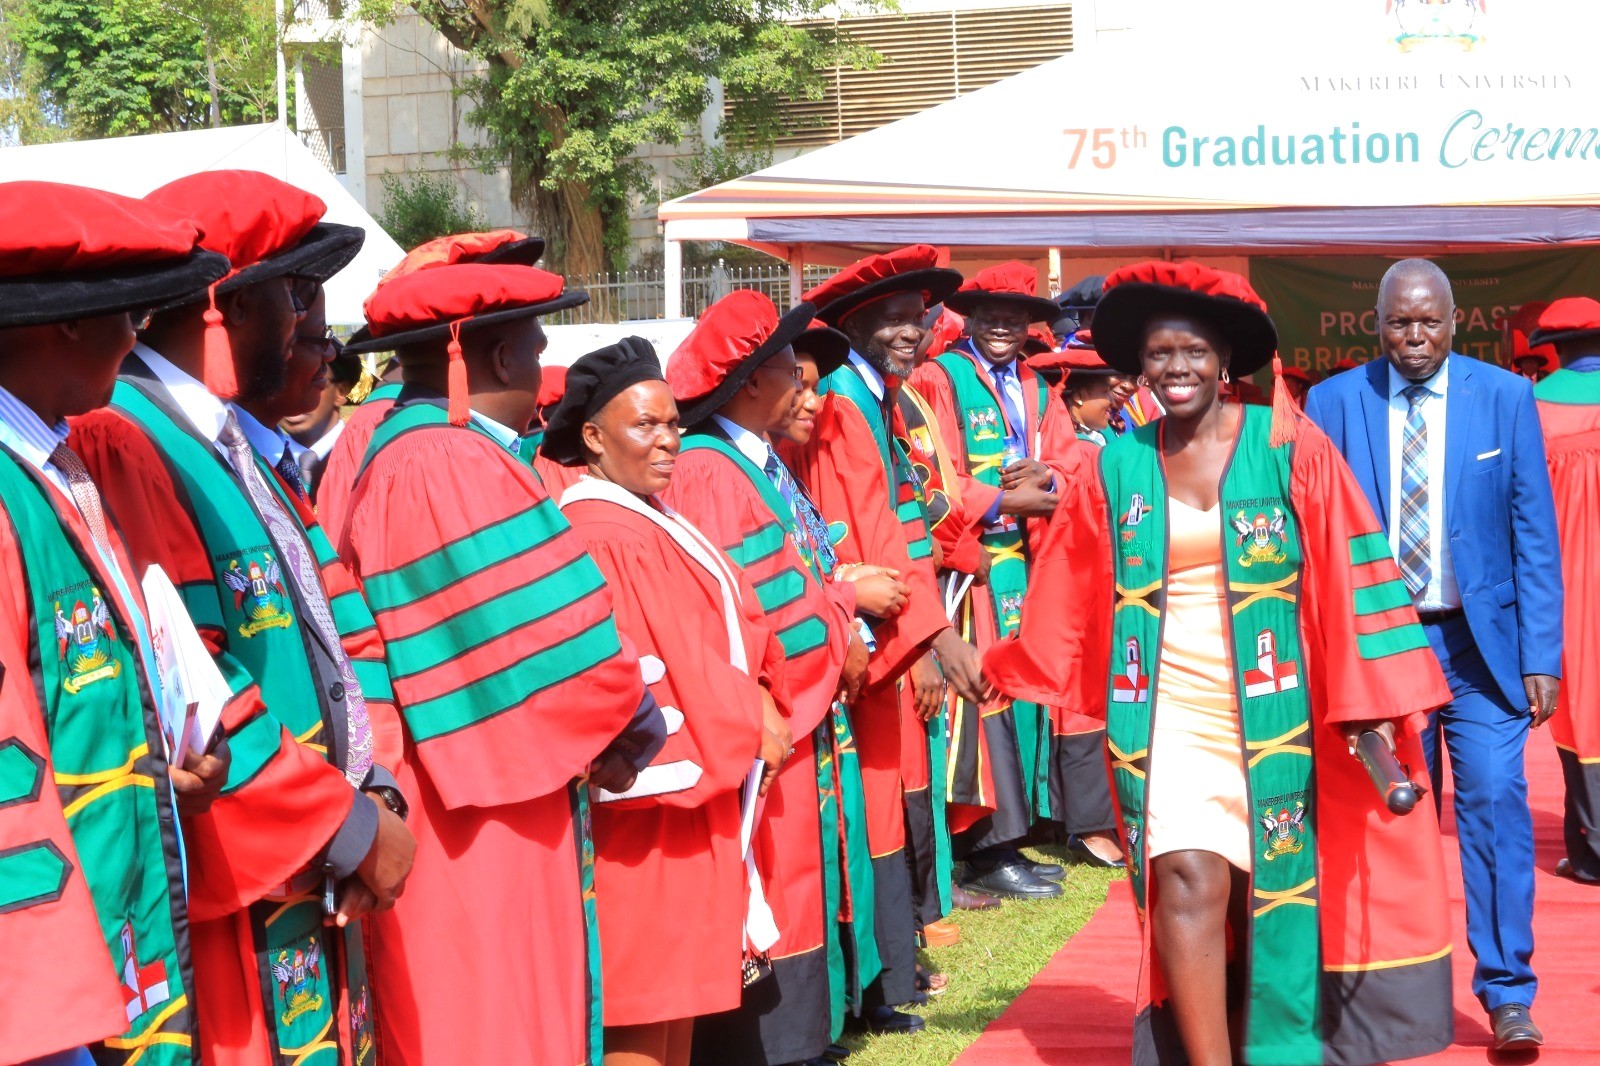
pixel 460 398
pixel 1285 412
pixel 217 354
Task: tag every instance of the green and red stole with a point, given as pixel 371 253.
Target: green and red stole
pixel 779 559
pixel 268 646
pixel 983 440
pixel 109 766
pixel 910 506
pixel 1261 539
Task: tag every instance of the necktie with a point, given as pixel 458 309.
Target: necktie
pixel 302 568
pixel 289 469
pixel 1414 540
pixel 1009 386
pixel 84 494
pixel 812 527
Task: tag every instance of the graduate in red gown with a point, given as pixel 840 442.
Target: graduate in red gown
pixel 675 848
pixel 996 413
pixel 499 626
pixel 310 799
pixel 735 381
pixel 92 875
pixel 863 480
pixel 1569 411
pixel 344 461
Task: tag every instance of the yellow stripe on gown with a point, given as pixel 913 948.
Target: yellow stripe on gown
pixel 1198 799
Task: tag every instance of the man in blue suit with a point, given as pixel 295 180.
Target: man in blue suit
pixel 1449 453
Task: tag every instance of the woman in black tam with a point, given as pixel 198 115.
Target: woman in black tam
pixel 671 845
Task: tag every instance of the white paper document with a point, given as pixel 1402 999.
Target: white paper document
pixel 193 690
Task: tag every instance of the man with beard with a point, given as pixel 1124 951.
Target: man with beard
pixel 312 821
pixel 865 486
pixel 995 406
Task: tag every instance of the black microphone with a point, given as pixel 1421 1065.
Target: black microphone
pixel 1393 784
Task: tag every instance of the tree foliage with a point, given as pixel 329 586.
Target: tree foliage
pixel 104 68
pixel 575 87
pixel 419 207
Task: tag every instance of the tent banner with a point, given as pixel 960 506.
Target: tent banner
pixel 1325 306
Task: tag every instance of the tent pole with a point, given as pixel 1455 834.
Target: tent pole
pixel 797 273
pixel 672 261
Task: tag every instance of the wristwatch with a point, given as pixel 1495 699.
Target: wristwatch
pixel 392 799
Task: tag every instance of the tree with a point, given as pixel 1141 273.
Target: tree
pixel 109 67
pixel 574 87
pixel 419 207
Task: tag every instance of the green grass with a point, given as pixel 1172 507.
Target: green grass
pixel 999 953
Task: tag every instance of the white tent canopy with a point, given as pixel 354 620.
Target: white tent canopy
pixel 1249 128
pixel 134 166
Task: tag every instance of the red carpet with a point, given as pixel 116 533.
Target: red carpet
pixel 1079 1009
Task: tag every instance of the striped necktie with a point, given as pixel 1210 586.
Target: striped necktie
pixel 812 526
pixel 288 468
pixel 84 494
pixel 302 569
pixel 1415 544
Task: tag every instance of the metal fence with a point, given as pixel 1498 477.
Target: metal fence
pixel 636 294
pixel 327 144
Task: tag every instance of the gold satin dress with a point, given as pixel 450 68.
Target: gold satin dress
pixel 1198 800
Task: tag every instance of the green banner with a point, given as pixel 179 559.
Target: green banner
pixel 1323 305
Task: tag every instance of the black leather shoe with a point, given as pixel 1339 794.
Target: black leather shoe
pixel 889 1020
pixel 1081 853
pixel 1514 1029
pixel 1564 869
pixel 962 900
pixel 1049 871
pixel 1011 882
pixel 836 1053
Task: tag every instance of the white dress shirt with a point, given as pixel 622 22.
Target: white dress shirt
pixel 754 448
pixel 1441 592
pixel 195 402
pixel 869 374
pixel 24 432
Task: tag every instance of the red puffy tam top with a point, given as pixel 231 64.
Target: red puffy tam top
pixel 1188 275
pixel 1570 313
pixel 69 252
pixel 49 228
pixel 915 268
pixel 727 334
pixel 456 293
pixel 246 215
pixel 460 248
pixel 1014 283
pixel 433 304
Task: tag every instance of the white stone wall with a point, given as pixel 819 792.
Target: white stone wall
pixel 412 115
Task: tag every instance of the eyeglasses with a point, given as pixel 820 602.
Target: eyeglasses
pixel 324 340
pixel 787 371
pixel 140 317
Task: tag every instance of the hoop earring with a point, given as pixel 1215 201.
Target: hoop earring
pixel 1224 375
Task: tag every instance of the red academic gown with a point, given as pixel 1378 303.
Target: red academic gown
pixel 344 461
pixel 75 995
pixel 1569 411
pixel 719 499
pixel 842 468
pixel 669 856
pixel 1384 926
pixel 264 832
pixel 484 958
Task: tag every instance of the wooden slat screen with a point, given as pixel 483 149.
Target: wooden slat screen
pixel 927 59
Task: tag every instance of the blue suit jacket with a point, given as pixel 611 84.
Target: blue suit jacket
pixel 1498 507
